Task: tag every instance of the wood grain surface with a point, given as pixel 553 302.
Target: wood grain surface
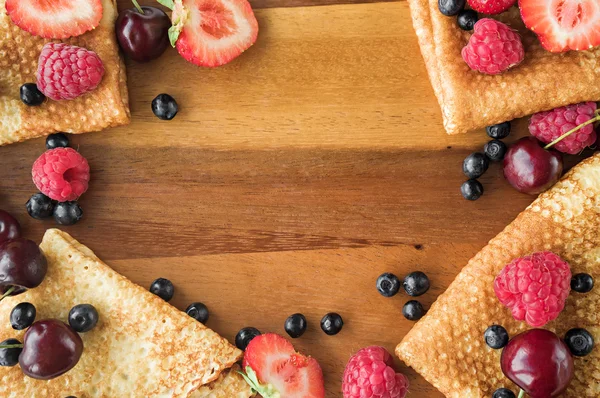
pixel 288 182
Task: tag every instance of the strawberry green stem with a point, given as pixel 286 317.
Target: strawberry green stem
pixel 568 133
pixel 7 346
pixel 8 293
pixel 521 393
pixel 136 4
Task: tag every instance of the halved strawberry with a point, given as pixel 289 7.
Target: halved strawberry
pixel 274 368
pixel 563 25
pixel 55 19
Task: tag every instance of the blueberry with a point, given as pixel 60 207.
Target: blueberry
pixel 579 341
pixel 40 206
pixel 295 325
pixel 67 213
pixel 467 19
pixel 163 288
pixel 498 131
pixel 475 165
pixel 582 283
pixel 496 337
pixel 58 140
pixel 22 316
pixel 416 284
pixel 245 336
pixel 451 7
pixel 164 107
pixel 83 318
pixel 413 310
pixel 503 393
pixel 332 323
pixel 10 356
pixel 198 311
pixel 471 189
pixel 388 284
pixel 495 150
pixel 30 95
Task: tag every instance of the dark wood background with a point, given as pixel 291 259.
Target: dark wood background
pixel 289 181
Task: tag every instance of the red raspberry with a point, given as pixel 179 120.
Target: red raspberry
pixel 66 72
pixel 493 48
pixel 491 7
pixel 548 126
pixel 534 287
pixel 369 373
pixel 62 174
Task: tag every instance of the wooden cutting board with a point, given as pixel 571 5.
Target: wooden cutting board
pixel 289 181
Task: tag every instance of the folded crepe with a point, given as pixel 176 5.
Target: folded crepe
pixel 230 384
pixel 471 100
pixel 106 106
pixel 142 346
pixel 447 346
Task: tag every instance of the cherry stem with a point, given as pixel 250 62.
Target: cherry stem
pixel 136 4
pixel 7 346
pixel 521 393
pixel 8 292
pixel 568 133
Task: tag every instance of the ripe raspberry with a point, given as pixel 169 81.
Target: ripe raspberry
pixel 534 287
pixel 548 126
pixel 61 174
pixel 369 373
pixel 491 7
pixel 66 72
pixel 493 48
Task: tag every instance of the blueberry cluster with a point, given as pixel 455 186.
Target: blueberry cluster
pixel 466 19
pixel 415 284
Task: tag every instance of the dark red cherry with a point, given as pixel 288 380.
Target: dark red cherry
pixel 50 349
pixel 539 362
pixel 530 168
pixel 143 36
pixel 9 227
pixel 22 266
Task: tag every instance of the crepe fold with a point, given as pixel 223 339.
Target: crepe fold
pixel 470 100
pixel 447 346
pixel 141 347
pixel 106 106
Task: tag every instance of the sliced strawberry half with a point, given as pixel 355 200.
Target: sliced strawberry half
pixel 280 370
pixel 563 25
pixel 55 19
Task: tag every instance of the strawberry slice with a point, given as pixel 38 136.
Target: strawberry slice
pixel 563 25
pixel 275 369
pixel 55 19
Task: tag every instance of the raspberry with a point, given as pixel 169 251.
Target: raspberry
pixel 369 373
pixel 66 72
pixel 534 287
pixel 61 174
pixel 493 48
pixel 548 126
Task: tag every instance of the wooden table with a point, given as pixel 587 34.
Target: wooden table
pixel 289 181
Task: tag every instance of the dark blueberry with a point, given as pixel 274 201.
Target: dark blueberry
pixel 582 283
pixel 475 165
pixel 467 19
pixel 198 311
pixel 579 341
pixel 58 140
pixel 83 317
pixel 388 284
pixel 295 325
pixel 496 337
pixel 503 393
pixel 10 356
pixel 163 288
pixel 471 189
pixel 416 284
pixel 451 7
pixel 71 396
pixel 332 323
pixel 495 150
pixel 245 336
pixel 39 206
pixel 164 107
pixel 498 131
pixel 413 310
pixel 67 213
pixel 30 95
pixel 22 316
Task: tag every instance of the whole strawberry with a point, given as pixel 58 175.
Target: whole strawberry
pixel 370 373
pixel 491 7
pixel 534 287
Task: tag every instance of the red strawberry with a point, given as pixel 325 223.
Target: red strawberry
pixel 491 7
pixel 55 19
pixel 563 25
pixel 274 368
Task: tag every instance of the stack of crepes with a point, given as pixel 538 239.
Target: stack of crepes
pixel 106 106
pixel 447 346
pixel 141 347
